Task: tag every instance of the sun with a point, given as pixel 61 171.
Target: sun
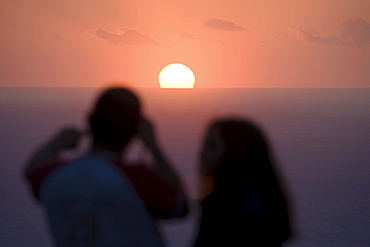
pixel 176 75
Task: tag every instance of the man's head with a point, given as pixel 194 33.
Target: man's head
pixel 115 119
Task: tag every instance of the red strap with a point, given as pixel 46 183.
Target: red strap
pixel 159 197
pixel 38 175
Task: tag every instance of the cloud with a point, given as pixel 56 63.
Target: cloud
pixel 124 37
pixel 223 25
pixel 54 37
pixel 58 37
pixel 311 37
pixel 187 35
pixel 355 32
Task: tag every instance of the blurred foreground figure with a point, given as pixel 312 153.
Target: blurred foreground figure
pixel 244 203
pixel 97 200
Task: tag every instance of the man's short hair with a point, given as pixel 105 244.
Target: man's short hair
pixel 115 118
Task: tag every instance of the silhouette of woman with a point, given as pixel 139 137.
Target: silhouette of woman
pixel 244 202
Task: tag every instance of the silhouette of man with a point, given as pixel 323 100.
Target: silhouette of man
pixel 97 200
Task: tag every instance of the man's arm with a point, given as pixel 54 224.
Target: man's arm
pixel 67 138
pixel 163 167
pixel 146 132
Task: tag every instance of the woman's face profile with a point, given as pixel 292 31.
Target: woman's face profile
pixel 213 150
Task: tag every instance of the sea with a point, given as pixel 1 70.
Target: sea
pixel 320 138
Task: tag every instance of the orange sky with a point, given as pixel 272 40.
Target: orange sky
pixel 234 43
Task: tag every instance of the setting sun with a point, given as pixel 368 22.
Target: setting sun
pixel 176 75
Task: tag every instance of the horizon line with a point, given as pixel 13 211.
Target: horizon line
pixel 157 87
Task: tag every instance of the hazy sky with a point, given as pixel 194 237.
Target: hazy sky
pixel 233 43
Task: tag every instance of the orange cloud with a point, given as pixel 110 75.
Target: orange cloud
pixel 57 37
pixel 355 32
pixel 188 35
pixel 223 25
pixel 311 37
pixel 124 37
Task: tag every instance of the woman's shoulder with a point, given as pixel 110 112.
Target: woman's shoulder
pixel 239 202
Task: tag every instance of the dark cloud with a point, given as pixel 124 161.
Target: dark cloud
pixel 223 25
pixel 187 35
pixel 124 37
pixel 355 32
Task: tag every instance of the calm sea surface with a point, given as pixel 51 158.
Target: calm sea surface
pixel 321 138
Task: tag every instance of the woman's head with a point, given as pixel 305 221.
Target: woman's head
pixel 236 154
pixel 235 151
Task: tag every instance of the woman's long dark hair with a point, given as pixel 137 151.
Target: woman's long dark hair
pixel 249 162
